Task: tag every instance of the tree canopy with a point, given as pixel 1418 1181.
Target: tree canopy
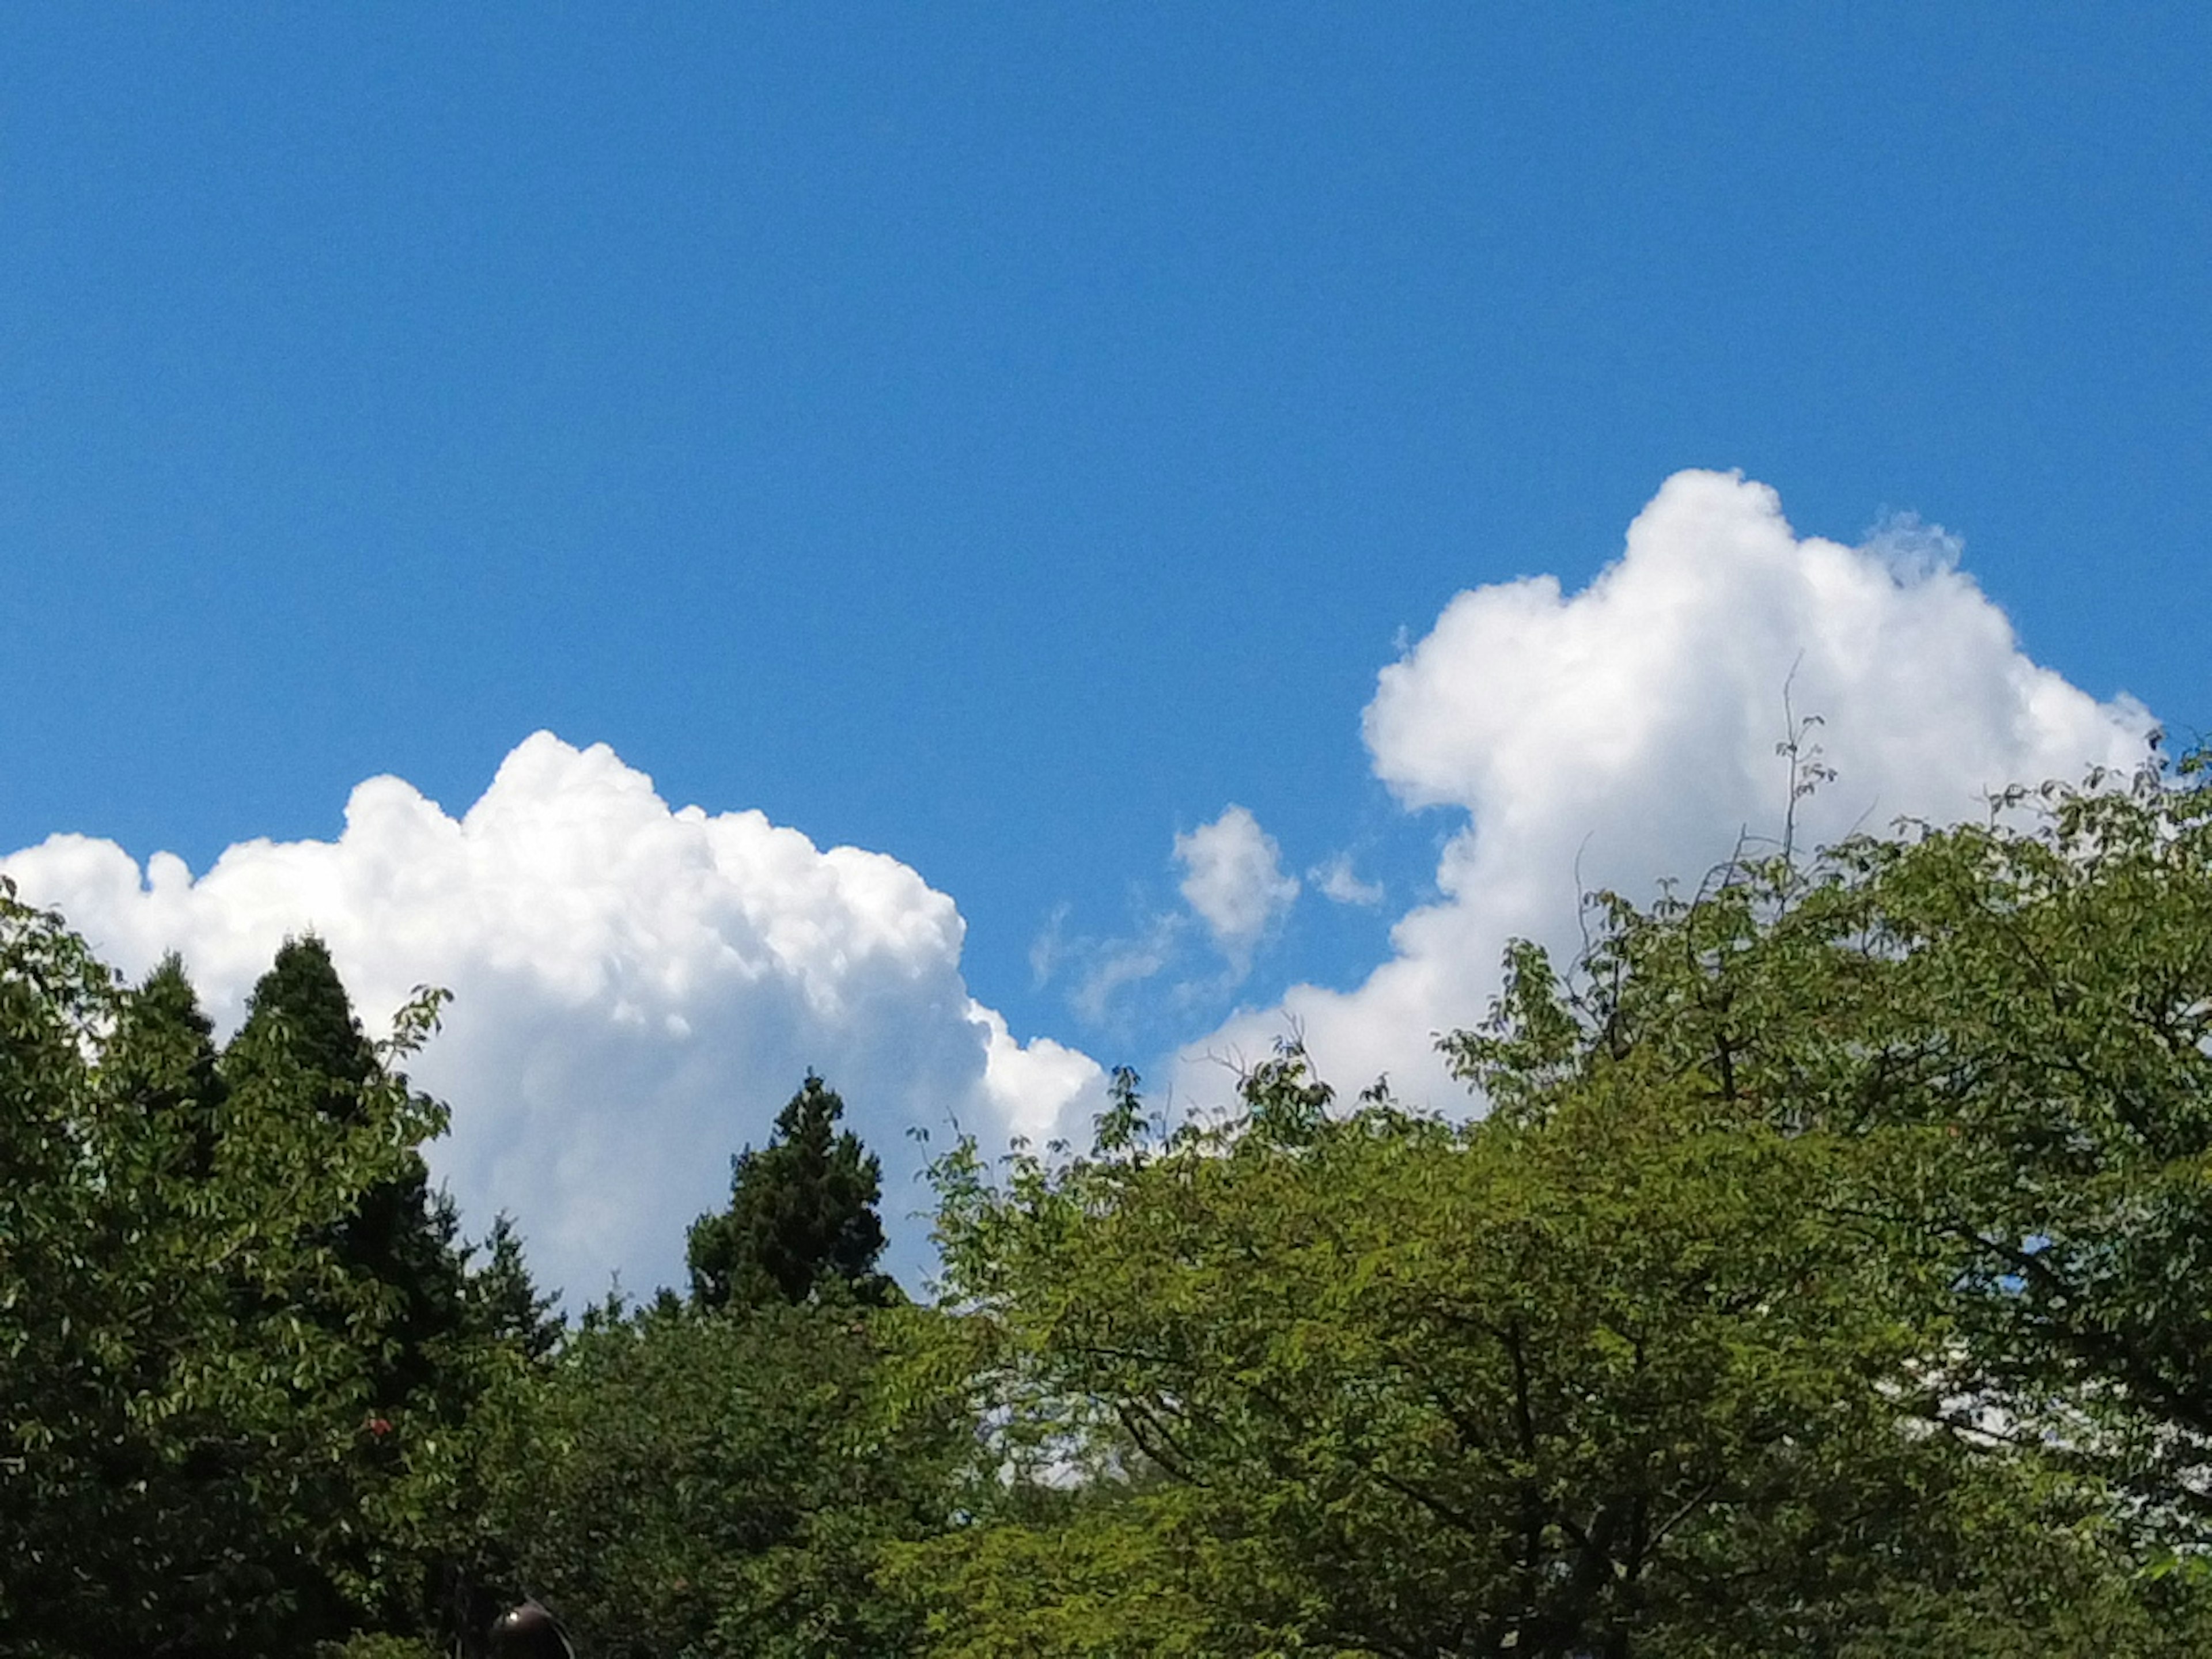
pixel 1821 1271
pixel 1821 1278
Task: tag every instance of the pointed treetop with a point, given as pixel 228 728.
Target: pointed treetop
pixel 301 992
pixel 802 1217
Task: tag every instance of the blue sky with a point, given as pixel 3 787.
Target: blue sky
pixel 1000 438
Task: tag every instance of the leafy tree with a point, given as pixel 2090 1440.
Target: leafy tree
pixel 395 1247
pixel 802 1217
pixel 403 1238
pixel 2031 997
pixel 719 1486
pixel 1718 1335
pixel 178 1447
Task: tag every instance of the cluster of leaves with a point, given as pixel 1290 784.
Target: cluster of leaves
pixel 719 1477
pixel 714 1484
pixel 257 1397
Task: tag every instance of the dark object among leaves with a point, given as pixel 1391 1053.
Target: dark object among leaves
pixel 530 1631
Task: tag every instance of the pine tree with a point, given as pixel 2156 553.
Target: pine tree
pixel 802 1217
pixel 302 1001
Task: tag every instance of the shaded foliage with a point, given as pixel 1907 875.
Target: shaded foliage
pixel 718 1484
pixel 183 1453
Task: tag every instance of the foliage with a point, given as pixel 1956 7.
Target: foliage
pixel 720 1483
pixel 2032 997
pixel 180 1451
pixel 1826 1277
pixel 802 1215
pixel 1539 1389
pixel 399 1239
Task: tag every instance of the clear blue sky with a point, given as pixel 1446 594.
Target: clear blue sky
pixel 1002 436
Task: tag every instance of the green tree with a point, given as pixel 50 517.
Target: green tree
pixel 2030 998
pixel 801 1218
pixel 1586 1386
pixel 504 1297
pixel 177 1445
pixel 721 1484
pixel 401 1239
pixel 161 1060
pixel 437 1521
pixel 301 1002
pixel 1820 1280
pixel 397 1246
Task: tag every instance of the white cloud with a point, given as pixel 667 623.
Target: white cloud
pixel 1628 732
pixel 1233 880
pixel 1338 883
pixel 1115 965
pixel 637 990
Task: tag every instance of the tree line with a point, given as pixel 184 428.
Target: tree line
pixel 1825 1271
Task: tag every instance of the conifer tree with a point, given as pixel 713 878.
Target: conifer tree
pixel 302 994
pixel 403 1236
pixel 802 1217
pixel 509 1305
pixel 161 1061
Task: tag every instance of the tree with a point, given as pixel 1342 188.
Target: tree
pixel 1825 1277
pixel 161 1060
pixel 1624 1380
pixel 177 1445
pixel 802 1217
pixel 683 1482
pixel 508 1306
pixel 302 1005
pixel 2030 998
pixel 396 1247
pixel 401 1239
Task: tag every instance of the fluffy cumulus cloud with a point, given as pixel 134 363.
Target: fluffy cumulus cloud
pixel 636 989
pixel 1628 732
pixel 1233 879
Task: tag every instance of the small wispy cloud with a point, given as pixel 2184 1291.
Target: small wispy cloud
pixel 1116 964
pixel 1049 948
pixel 1913 549
pixel 1336 881
pixel 1233 892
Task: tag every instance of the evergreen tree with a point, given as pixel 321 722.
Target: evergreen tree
pixel 401 1236
pixel 507 1304
pixel 301 1002
pixel 161 1061
pixel 802 1215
